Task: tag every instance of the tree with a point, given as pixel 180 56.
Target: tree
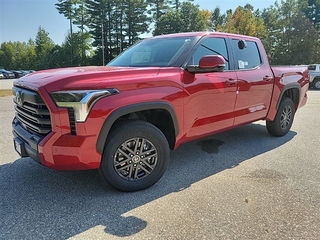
pixel 305 46
pixel 69 9
pixel 82 20
pixel 135 19
pixel 186 18
pixel 244 21
pixel 59 57
pixel 81 16
pixel 271 17
pixel 98 11
pixel 158 8
pixel 192 19
pixel 217 19
pixel 17 55
pixel 206 16
pixel 7 55
pixel 82 48
pixel 164 24
pixel 115 25
pixel 25 55
pixel 297 37
pixel 289 30
pixel 311 8
pixel 43 47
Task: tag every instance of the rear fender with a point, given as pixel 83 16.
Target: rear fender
pixel 291 90
pixel 295 95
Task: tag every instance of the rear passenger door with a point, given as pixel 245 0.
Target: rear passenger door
pixel 255 82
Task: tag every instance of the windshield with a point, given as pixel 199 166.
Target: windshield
pixel 156 52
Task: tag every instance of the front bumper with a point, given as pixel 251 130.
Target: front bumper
pixel 25 143
pixel 42 132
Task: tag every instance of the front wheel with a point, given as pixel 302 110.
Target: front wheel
pixel 282 123
pixel 135 156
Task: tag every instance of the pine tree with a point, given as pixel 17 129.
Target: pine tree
pixel 135 19
pixel 69 9
pixel 43 47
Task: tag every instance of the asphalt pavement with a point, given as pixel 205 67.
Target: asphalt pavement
pixel 240 184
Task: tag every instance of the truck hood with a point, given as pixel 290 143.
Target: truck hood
pixel 84 77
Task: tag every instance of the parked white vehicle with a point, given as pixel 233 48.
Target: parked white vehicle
pixel 314 71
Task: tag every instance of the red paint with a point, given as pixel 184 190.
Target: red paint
pixel 204 103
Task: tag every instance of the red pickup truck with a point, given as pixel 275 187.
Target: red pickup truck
pixel 124 118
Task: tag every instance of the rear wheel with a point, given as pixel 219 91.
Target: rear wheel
pixel 316 84
pixel 282 123
pixel 135 156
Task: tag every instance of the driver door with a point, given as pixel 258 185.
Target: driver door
pixel 211 97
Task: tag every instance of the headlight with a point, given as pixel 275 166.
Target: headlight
pixel 80 101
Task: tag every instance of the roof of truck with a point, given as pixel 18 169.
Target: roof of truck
pixel 194 34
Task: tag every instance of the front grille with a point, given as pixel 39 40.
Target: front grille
pixel 31 111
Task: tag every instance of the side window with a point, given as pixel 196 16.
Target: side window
pixel 210 46
pixel 312 67
pixel 248 57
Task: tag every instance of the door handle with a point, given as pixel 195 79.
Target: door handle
pixel 231 81
pixel 267 78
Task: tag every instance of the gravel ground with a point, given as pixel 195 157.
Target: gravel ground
pixel 241 184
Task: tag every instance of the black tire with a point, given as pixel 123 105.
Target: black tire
pixel 135 157
pixel 316 84
pixel 282 123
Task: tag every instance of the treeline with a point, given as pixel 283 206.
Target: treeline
pixel 101 29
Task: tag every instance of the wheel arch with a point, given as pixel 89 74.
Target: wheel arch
pixel 136 108
pixel 291 91
pixel 315 77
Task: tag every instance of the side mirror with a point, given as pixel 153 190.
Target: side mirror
pixel 209 63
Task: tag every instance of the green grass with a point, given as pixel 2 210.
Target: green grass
pixel 5 93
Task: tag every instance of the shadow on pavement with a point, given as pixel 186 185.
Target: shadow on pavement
pixel 39 203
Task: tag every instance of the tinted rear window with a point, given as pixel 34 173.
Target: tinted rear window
pixel 248 57
pixel 312 67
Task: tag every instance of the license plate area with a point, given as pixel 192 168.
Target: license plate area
pixel 19 146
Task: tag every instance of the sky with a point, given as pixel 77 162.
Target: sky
pixel 20 19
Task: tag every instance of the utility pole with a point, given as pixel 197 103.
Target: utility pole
pixel 102 42
pixel 71 37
